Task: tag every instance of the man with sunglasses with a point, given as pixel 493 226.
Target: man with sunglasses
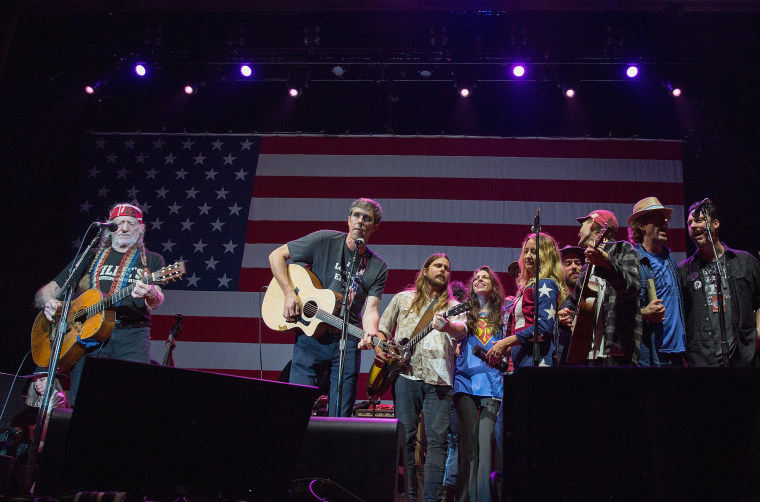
pixel 663 338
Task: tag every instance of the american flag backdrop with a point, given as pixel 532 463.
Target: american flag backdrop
pixel 222 203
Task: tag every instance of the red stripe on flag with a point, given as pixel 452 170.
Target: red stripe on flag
pixel 484 147
pixel 486 189
pixel 398 280
pixel 217 329
pixel 424 233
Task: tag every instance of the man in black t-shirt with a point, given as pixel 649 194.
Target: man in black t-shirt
pixel 329 255
pixel 120 261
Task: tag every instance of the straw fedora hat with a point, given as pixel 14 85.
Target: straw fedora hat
pixel 648 205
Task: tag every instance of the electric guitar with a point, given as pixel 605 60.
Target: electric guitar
pixel 382 377
pixel 318 306
pixel 583 329
pixel 90 318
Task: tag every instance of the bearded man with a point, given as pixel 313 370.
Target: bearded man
pixel 119 261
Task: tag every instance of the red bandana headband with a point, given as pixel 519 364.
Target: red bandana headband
pixel 125 210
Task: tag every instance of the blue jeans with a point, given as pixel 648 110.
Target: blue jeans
pixel 413 397
pixel 450 474
pixel 649 357
pixel 127 344
pixel 311 357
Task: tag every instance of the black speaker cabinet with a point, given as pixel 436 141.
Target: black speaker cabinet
pixel 12 389
pixel 154 429
pixel 359 456
pixel 632 434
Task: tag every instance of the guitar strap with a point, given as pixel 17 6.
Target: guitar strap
pixel 425 319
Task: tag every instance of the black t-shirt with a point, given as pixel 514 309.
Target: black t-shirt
pixel 329 257
pixel 128 310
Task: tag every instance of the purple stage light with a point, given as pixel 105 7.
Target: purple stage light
pixel 141 70
pixel 189 89
pixel 570 93
pixel 294 92
pixel 464 92
pixel 632 71
pixel 246 70
pixel 676 92
pixel 518 71
pixel 89 89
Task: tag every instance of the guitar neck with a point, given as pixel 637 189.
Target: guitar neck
pixel 419 336
pixel 114 298
pixel 356 332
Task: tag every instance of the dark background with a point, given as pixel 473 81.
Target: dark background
pixel 50 53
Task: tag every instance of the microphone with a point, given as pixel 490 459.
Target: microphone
pixel 698 210
pixel 106 225
pixel 359 243
pixel 537 222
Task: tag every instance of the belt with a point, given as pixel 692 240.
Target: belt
pixel 121 325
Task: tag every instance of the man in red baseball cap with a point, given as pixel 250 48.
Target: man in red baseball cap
pixel 615 319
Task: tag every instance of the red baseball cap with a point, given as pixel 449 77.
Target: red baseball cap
pixel 600 216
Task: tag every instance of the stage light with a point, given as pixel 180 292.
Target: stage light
pixel 89 89
pixel 632 71
pixel 464 92
pixel 338 71
pixel 141 70
pixel 676 92
pixel 246 70
pixel 570 93
pixel 518 70
pixel 298 80
pixel 425 73
pixel 190 89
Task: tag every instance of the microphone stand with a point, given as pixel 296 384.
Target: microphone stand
pixel 537 229
pixel 344 314
pixel 65 295
pixel 719 290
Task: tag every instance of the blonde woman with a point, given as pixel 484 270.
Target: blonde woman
pixel 528 312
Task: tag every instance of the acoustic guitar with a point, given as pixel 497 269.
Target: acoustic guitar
pixel 318 307
pixel 90 318
pixel 381 377
pixel 583 329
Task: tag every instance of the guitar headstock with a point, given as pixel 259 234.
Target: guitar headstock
pixel 458 309
pixel 169 273
pixel 606 233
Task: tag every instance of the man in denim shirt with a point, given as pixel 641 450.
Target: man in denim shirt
pixel 741 291
pixel 663 341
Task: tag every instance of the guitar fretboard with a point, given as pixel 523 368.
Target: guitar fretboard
pixel 109 301
pixel 354 331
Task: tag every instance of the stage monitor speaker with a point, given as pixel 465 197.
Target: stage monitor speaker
pixel 360 457
pixel 162 430
pixel 13 391
pixel 632 434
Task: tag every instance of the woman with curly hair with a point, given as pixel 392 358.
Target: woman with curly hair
pixel 478 387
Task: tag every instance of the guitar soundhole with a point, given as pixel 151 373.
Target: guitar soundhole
pixel 309 310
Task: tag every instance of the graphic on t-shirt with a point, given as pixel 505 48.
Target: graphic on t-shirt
pixel 484 331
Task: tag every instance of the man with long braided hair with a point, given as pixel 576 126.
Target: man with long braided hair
pixel 119 261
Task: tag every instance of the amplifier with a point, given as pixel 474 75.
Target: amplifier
pixel 379 411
